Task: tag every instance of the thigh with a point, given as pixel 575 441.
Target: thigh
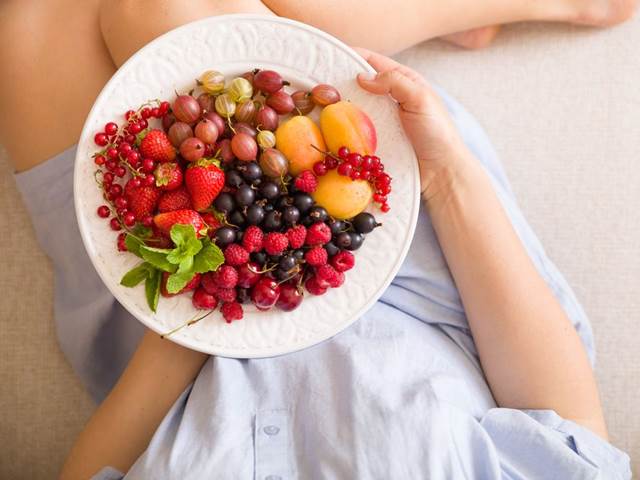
pixel 53 63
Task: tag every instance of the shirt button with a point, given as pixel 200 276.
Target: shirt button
pixel 273 477
pixel 271 430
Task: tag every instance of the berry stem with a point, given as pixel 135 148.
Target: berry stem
pixel 186 324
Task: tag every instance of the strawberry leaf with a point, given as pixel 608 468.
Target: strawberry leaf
pixel 152 289
pixel 136 275
pixel 158 258
pixel 209 258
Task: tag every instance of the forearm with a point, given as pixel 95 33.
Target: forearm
pixel 531 354
pixel 123 425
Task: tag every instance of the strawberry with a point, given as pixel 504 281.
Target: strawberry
pixel 212 222
pixel 156 146
pixel 141 200
pixel 204 182
pixel 164 221
pixel 168 176
pixel 175 200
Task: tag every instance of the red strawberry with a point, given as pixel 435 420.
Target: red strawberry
pixel 156 146
pixel 175 200
pixel 141 200
pixel 211 220
pixel 168 176
pixel 204 181
pixel 164 221
pixel 192 285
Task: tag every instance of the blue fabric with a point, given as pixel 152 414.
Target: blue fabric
pixel 399 394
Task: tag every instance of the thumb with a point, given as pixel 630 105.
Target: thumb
pixel 402 88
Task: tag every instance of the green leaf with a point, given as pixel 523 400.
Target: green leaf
pixel 209 258
pixel 186 265
pixel 133 245
pixel 136 275
pixel 177 281
pixel 158 258
pixel 141 231
pixel 152 289
pixel 181 234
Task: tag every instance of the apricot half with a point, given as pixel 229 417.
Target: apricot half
pixel 344 124
pixel 342 197
pixel 295 137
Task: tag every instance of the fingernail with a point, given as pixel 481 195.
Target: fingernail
pixel 367 76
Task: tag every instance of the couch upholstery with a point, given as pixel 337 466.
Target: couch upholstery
pixel 562 106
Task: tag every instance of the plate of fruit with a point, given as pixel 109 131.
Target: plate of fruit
pixel 238 193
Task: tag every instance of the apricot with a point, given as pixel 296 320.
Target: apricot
pixel 342 197
pixel 345 124
pixel 295 137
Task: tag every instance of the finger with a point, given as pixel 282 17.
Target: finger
pixel 392 82
pixel 379 62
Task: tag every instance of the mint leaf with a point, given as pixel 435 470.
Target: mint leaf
pixel 141 231
pixel 133 245
pixel 152 289
pixel 157 257
pixel 186 265
pixel 209 258
pixel 136 275
pixel 177 281
pixel 181 234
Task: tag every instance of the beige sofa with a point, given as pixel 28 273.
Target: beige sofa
pixel 562 106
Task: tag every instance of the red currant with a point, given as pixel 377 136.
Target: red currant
pixel 115 224
pixel 99 160
pixel 379 198
pixel 122 246
pixel 385 207
pixel 143 124
pixel 164 108
pixel 134 128
pixel 107 178
pixel 128 114
pixel 129 219
pixel 136 182
pixel 147 221
pixel 320 169
pixel 384 189
pixel 354 159
pixel 345 169
pixel 112 153
pixel 115 190
pixel 365 174
pixel 149 180
pixel 101 139
pixel 343 152
pixel 367 162
pixel 133 157
pixel 330 162
pixel 155 112
pixel 121 202
pixel 145 112
pixel 103 211
pixel 111 165
pixel 375 161
pixel 148 165
pixel 129 138
pixel 120 171
pixel 121 211
pixel 355 175
pixel 124 148
pixel 111 128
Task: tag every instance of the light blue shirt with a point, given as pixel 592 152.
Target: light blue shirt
pixel 398 395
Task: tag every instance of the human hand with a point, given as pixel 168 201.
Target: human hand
pixel 438 146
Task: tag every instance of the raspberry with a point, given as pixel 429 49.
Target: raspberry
pixel 318 234
pixel 225 277
pixel 208 282
pixel 297 236
pixel 253 239
pixel 235 255
pixel 231 311
pixel 314 287
pixel 275 243
pixel 316 256
pixel 306 182
pixel 326 276
pixel 337 281
pixel 203 300
pixel 225 294
pixel 343 261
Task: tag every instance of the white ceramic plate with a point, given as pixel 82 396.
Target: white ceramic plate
pixel 305 56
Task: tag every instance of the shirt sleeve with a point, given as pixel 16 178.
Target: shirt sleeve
pixel 108 473
pixel 541 444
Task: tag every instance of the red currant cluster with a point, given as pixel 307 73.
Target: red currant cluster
pixel 120 155
pixel 359 167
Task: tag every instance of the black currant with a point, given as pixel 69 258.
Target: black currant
pixel 318 214
pixel 272 221
pixel 331 249
pixel 303 202
pixel 254 214
pixel 245 196
pixel 250 171
pixel 224 203
pixel 364 222
pixel 243 295
pixel 259 257
pixel 269 190
pixel 290 214
pixel 233 178
pixel 287 262
pixel 237 218
pixel 343 240
pixel 225 236
pixel 356 240
pixel 298 254
pixel 337 226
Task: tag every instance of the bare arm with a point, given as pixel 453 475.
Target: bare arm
pixel 530 352
pixel 121 428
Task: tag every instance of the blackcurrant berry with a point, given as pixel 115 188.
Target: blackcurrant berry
pixel 287 263
pixel 269 190
pixel 250 171
pixel 290 214
pixel 259 257
pixel 243 295
pixel 364 223
pixel 245 195
pixel 298 254
pixel 224 203
pixel 255 214
pixel 343 240
pixel 283 202
pixel 318 214
pixel 357 239
pixel 303 202
pixel 272 221
pixel 233 178
pixel 225 236
pixel 331 249
pixel 337 226
pixel 237 218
